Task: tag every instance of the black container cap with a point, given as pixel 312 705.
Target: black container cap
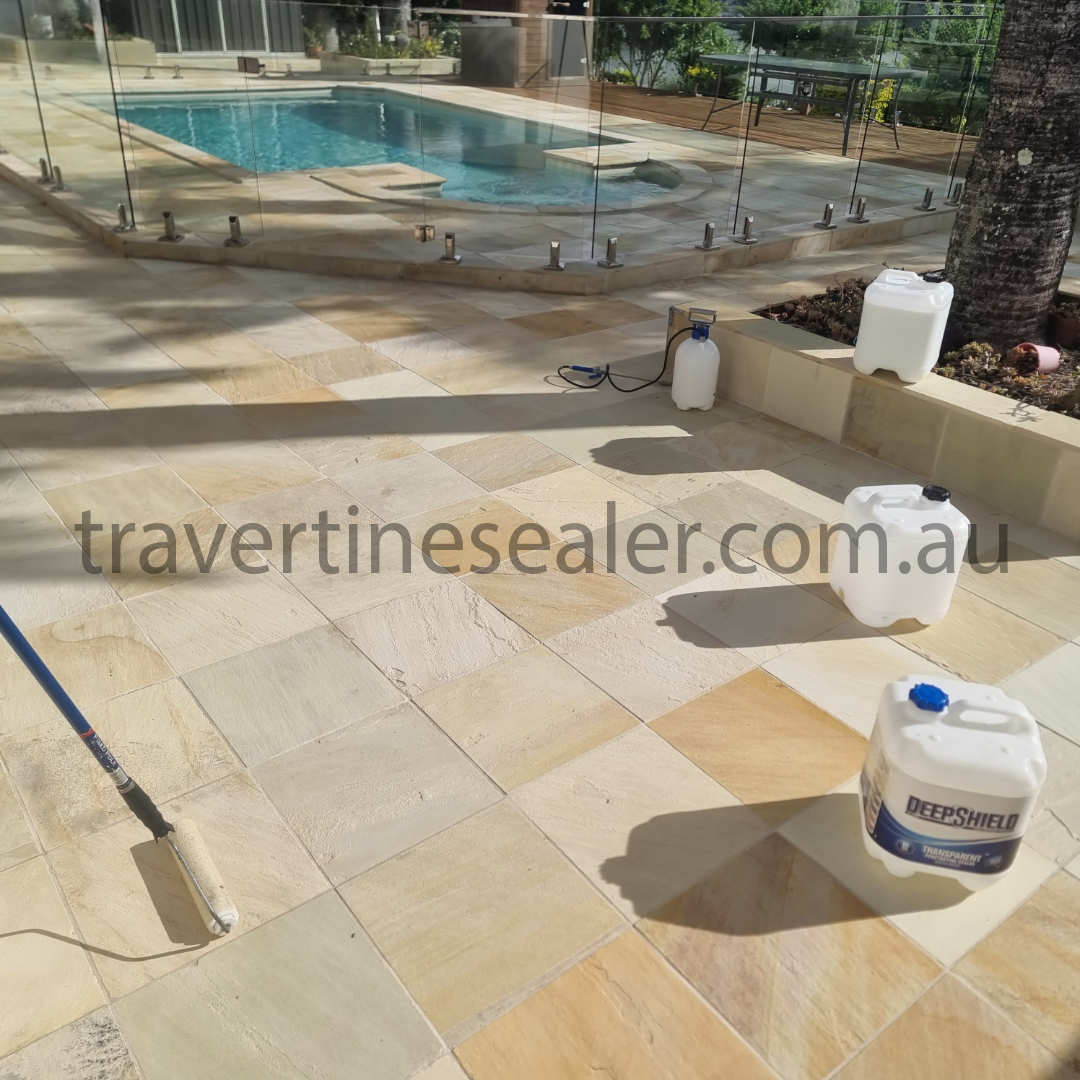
pixel 935 493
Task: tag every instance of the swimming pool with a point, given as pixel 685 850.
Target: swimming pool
pixel 485 157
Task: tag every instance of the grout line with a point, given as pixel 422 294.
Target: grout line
pixel 888 1024
pixel 140 1074
pixel 695 992
pixel 1008 1018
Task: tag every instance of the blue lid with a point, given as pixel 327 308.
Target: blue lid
pixel 929 697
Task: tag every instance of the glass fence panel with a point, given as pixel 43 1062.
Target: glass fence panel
pixel 933 116
pixel 671 108
pixel 809 87
pixel 187 121
pixel 509 125
pixel 21 129
pixel 365 140
pixel 64 101
pixel 409 130
pixel 662 93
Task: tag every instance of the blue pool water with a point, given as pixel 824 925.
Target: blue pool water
pixel 484 157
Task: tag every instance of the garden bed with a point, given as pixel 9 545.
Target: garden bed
pixel 835 314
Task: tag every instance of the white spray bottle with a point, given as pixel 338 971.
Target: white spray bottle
pixel 697 365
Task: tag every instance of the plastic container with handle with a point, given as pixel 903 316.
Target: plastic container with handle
pixel 697 365
pixel 903 322
pixel 908 544
pixel 951 778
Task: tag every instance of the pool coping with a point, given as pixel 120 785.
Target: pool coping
pixel 579 277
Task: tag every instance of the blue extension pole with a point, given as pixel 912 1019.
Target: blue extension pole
pixel 142 806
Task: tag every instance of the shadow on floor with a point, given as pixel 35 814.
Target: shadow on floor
pixel 194 425
pixel 769 886
pixel 768 615
pixel 639 457
pixel 169 894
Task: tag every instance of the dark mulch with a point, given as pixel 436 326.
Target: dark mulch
pixel 835 314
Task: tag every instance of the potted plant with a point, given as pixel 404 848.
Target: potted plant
pixel 1065 322
pixel 697 80
pixel 314 37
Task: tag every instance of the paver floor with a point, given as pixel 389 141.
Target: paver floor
pixel 556 818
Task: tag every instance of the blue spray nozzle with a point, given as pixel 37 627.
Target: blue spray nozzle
pixel 700 331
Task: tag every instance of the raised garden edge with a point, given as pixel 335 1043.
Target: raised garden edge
pixel 1014 457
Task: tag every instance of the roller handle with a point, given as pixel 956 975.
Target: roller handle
pixel 70 711
pixel 46 680
pixel 144 808
pixel 140 804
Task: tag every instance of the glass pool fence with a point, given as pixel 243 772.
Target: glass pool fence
pixel 363 132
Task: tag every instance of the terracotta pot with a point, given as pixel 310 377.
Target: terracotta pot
pixel 313 52
pixel 1049 358
pixel 1064 331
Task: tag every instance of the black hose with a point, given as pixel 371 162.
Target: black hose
pixel 605 376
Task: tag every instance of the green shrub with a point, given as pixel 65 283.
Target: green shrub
pixel 700 78
pixel 942 109
pixel 361 43
pixel 649 50
pixel 74 25
pixel 449 35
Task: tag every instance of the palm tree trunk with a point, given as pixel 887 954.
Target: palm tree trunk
pixel 1015 224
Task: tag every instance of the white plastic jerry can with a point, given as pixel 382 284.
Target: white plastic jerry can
pixel 903 322
pixel 950 781
pixel 697 365
pixel 898 553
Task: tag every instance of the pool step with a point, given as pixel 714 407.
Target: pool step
pixel 374 181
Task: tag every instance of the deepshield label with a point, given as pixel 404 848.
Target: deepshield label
pixel 903 815
pixel 973 857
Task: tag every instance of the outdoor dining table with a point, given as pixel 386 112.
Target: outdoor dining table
pixel 799 72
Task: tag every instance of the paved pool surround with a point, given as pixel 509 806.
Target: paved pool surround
pixel 482 825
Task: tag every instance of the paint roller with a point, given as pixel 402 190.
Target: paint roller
pixel 205 884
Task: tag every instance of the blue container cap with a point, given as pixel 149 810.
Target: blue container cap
pixel 929 697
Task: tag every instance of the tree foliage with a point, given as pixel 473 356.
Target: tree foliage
pixel 957 53
pixel 846 39
pixel 651 49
